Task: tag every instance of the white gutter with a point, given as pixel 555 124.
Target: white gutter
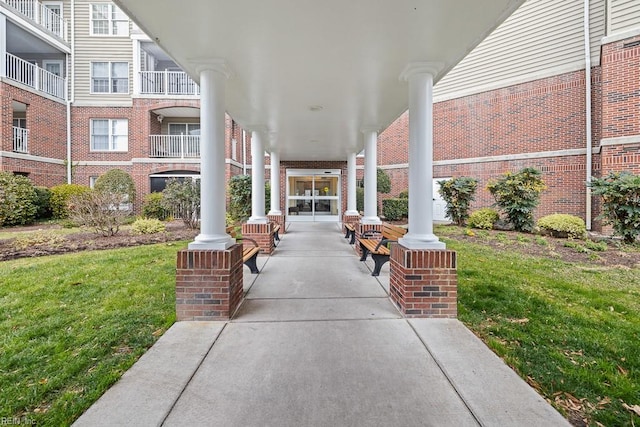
pixel 71 68
pixel 587 77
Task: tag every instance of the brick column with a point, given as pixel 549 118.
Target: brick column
pixel 208 283
pixel 262 234
pixel 424 282
pixel 361 228
pixel 278 219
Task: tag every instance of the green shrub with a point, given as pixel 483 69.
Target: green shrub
pixel 360 199
pixel 18 200
pixel 596 246
pixel 182 198
pixel 383 181
pixel 60 195
pixel 240 197
pixel 148 226
pixel 153 207
pixel 43 203
pixel 483 218
pixel 117 181
pixel 458 193
pixel 517 195
pixel 403 194
pixel 620 192
pixel 395 209
pixel 576 246
pixel 563 225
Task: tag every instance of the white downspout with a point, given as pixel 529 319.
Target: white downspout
pixel 71 72
pixel 244 152
pixel 587 71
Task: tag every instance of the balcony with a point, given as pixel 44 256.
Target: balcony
pixel 33 76
pixel 174 146
pixel 170 83
pixel 41 15
pixel 20 140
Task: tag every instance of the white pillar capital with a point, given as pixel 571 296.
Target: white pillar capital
pixel 417 68
pixel 218 65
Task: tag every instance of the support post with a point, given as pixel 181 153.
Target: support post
pixel 257 180
pixel 370 178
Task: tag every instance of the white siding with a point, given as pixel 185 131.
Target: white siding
pixel 541 39
pixel 624 15
pixel 90 48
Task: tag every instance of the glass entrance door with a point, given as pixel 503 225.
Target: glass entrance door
pixel 313 196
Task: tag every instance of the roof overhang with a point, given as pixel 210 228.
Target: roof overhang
pixel 314 74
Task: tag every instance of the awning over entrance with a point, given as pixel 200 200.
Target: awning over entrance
pixel 314 74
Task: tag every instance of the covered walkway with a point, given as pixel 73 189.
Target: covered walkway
pixel 317 342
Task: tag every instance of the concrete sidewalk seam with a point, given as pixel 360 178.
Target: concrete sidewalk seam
pixel 192 375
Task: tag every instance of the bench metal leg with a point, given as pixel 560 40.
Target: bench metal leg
pixel 346 235
pixel 252 264
pixel 365 252
pixel 380 260
pixel 353 238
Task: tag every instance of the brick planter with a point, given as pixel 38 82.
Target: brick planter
pixel 424 283
pixel 261 233
pixel 208 283
pixel 360 229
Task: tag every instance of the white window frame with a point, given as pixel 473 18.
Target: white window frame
pixel 113 143
pixel 109 77
pixel 114 15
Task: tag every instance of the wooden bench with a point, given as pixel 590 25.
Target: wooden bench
pixel 350 232
pixel 276 236
pixel 249 253
pixel 376 242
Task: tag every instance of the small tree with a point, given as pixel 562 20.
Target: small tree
pixel 18 200
pixel 100 211
pixel 117 181
pixel 240 197
pixel 383 181
pixel 517 195
pixel 458 193
pixel 620 192
pixel 154 207
pixel 182 198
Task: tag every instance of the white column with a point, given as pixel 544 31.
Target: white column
pixel 352 209
pixel 275 184
pixel 420 234
pixel 257 180
pixel 370 178
pixel 212 161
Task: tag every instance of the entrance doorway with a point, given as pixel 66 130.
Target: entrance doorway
pixel 313 195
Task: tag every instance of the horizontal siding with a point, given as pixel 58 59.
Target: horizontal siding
pixel 98 48
pixel 624 15
pixel 542 38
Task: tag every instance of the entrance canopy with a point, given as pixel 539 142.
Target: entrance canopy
pixel 314 74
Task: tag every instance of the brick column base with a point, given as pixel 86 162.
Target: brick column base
pixel 424 283
pixel 278 219
pixel 361 228
pixel 208 283
pixel 261 233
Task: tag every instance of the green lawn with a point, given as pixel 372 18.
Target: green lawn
pixel 71 325
pixel 572 331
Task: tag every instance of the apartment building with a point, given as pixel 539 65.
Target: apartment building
pixel 556 87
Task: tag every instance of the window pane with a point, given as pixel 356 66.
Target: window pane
pixel 120 127
pixel 100 85
pixel 100 69
pixel 100 11
pixel 118 15
pixel 100 127
pixel 100 142
pixel 119 69
pixel 177 128
pixel 194 129
pixel 120 28
pixel 120 86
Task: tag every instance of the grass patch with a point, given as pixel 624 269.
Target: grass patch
pixel 8 233
pixel 71 325
pixel 571 331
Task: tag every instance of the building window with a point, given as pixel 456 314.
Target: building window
pixel 184 128
pixel 110 77
pixel 109 134
pixel 108 20
pixel 92 181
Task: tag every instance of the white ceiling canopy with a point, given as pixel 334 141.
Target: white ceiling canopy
pixel 313 73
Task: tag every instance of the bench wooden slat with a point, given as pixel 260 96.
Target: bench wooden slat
pixel 376 242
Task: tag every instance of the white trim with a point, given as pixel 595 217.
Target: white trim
pixel 620 140
pixel 105 163
pixel 128 103
pixel 110 78
pixel 627 34
pixel 166 160
pixel 31 157
pixel 32 90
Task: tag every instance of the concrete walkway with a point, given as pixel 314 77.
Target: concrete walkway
pixel 318 343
